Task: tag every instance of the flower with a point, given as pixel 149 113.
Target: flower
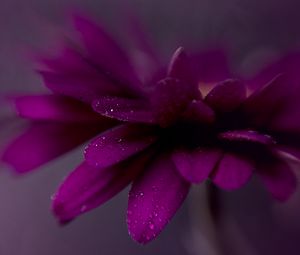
pixel 165 133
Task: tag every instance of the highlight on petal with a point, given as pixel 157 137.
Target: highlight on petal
pixel 246 136
pixel 118 144
pixel 54 108
pixel 278 179
pixel 88 187
pixel 195 166
pixel 154 199
pixel 232 172
pixel 124 109
pixel 226 96
pixel 43 142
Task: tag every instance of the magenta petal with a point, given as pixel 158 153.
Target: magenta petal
pixel 124 109
pixel 88 187
pixel 54 108
pixel 246 136
pixel 169 100
pixel 226 96
pixel 106 53
pixel 118 144
pixel 233 172
pixel 43 142
pixel 81 86
pixel 279 180
pixel 180 68
pixel 154 199
pixel 195 166
pixel 198 111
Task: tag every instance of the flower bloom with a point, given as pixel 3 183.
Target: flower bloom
pixel 162 134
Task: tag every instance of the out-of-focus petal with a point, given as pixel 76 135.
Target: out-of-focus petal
pixel 211 66
pixel 279 179
pixel 154 199
pixel 43 142
pixel 81 86
pixel 246 136
pixel 118 144
pixel 106 53
pixel 195 166
pixel 124 109
pixel 232 172
pixel 88 187
pixel 267 106
pixel 54 108
pixel 226 96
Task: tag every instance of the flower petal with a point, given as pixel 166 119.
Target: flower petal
pixel 123 109
pixel 106 53
pixel 199 112
pixel 54 108
pixel 118 144
pixel 279 179
pixel 169 100
pixel 246 136
pixel 233 172
pixel 154 199
pixel 88 187
pixel 180 68
pixel 226 96
pixel 195 166
pixel 43 142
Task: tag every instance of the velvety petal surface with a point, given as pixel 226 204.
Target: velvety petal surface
pixel 54 108
pixel 123 109
pixel 278 179
pixel 88 187
pixel 43 142
pixel 226 96
pixel 195 166
pixel 118 144
pixel 232 172
pixel 154 199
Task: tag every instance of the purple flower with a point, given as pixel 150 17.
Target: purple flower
pixel 162 133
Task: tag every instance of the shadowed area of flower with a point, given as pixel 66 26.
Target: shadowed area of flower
pixel 160 134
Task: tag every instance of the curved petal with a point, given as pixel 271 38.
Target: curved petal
pixel 124 109
pixel 246 136
pixel 180 68
pixel 169 100
pixel 233 172
pixel 118 144
pixel 54 108
pixel 278 179
pixel 199 112
pixel 106 53
pixel 154 199
pixel 195 166
pixel 88 187
pixel 43 142
pixel 226 96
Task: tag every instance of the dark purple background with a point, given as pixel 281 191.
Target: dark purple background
pixel 251 29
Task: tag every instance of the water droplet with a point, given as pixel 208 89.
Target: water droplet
pixel 151 226
pixel 141 194
pixel 111 110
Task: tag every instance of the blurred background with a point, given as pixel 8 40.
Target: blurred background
pixel 253 31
